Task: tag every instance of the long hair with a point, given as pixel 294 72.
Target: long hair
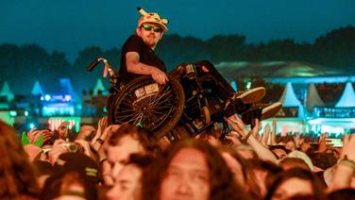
pixel 317 188
pixel 247 174
pixel 17 174
pixel 221 181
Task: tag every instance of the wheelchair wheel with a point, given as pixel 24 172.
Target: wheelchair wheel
pixel 145 103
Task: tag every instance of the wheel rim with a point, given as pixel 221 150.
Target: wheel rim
pixel 150 111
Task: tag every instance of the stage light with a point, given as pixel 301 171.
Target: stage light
pixel 47 97
pixel 67 97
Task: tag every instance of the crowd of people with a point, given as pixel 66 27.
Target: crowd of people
pixel 128 162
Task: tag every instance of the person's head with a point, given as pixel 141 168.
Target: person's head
pixel 62 130
pixel 236 164
pixel 67 186
pixel 18 175
pixel 265 172
pixel 295 182
pixel 192 169
pixel 151 27
pixel 73 174
pixel 299 155
pixel 348 193
pixel 127 140
pixel 290 144
pixel 279 151
pixel 242 171
pixel 290 163
pixel 128 182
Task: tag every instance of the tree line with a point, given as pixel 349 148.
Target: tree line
pixel 26 63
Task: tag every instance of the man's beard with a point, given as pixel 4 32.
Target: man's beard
pixel 151 40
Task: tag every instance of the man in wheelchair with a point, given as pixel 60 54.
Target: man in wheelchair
pixel 137 54
pixel 207 98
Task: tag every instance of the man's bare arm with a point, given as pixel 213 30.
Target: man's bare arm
pixel 136 67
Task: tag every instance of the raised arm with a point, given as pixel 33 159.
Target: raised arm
pixel 238 126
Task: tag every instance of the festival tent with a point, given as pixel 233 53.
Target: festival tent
pixel 6 92
pixel 99 86
pixel 289 99
pixel 290 117
pixel 37 89
pixel 347 99
pixel 313 98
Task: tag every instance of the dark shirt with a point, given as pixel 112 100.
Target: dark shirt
pixel 146 56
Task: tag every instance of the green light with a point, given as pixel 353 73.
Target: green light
pixel 13 113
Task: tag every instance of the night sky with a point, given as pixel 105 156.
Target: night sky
pixel 71 25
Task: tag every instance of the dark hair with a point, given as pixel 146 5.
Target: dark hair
pixel 317 187
pixel 282 147
pixel 141 161
pixel 348 194
pixel 247 172
pixel 18 176
pixel 58 184
pixel 294 163
pixel 323 160
pixel 269 168
pixel 222 183
pixel 144 136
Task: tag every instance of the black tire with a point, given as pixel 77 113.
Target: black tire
pixel 158 112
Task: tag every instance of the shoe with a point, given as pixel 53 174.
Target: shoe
pixel 270 110
pixel 250 96
pixel 261 111
pixel 242 101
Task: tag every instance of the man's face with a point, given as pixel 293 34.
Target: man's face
pixel 63 130
pixel 290 145
pixel 126 146
pixel 118 154
pixel 127 185
pixel 187 177
pixel 150 33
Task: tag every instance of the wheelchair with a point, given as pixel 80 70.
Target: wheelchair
pixel 194 98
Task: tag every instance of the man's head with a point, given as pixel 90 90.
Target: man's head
pixel 192 170
pixel 63 130
pixel 151 27
pixel 128 182
pixel 187 177
pixel 127 140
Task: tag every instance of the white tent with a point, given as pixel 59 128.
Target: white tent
pixel 313 98
pixel 347 99
pixel 37 89
pixel 6 91
pixel 99 86
pixel 289 99
pixel 66 86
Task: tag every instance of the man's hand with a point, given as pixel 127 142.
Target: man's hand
pixel 159 76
